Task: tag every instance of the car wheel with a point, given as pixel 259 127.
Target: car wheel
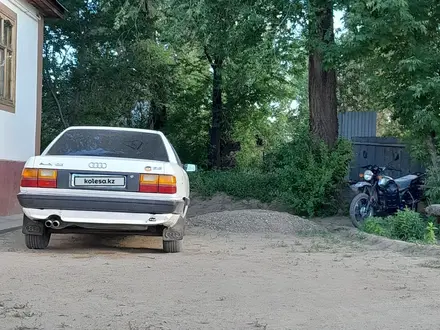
pixel 172 246
pixel 37 242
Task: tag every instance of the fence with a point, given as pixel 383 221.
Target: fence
pixel 381 151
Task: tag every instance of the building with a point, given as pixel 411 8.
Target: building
pixel 21 61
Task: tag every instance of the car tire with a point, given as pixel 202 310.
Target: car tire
pixel 37 242
pixel 172 246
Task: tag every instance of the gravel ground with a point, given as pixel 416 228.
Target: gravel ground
pixel 240 270
pixel 257 221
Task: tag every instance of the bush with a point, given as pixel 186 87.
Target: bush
pixel 376 226
pixel 405 225
pixel 310 176
pixel 430 234
pixel 243 185
pixel 433 184
pixel 303 175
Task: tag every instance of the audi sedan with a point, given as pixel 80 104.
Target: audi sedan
pixel 105 180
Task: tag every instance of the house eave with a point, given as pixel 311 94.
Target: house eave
pixel 49 8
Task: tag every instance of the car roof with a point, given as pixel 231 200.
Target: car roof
pixel 109 128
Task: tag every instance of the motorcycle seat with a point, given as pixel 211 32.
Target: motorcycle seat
pixel 405 181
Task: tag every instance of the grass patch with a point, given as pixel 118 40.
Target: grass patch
pixel 405 225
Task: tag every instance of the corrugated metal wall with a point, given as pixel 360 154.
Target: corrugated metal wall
pixel 381 151
pixel 360 128
pixel 357 124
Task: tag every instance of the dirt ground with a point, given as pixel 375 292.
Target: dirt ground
pixel 239 270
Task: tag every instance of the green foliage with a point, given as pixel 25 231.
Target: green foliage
pixel 309 175
pixel 433 184
pixel 238 184
pixel 302 175
pixel 430 234
pixel 237 39
pixel 120 62
pixel 405 225
pixel 98 71
pixel 395 43
pixel 376 226
pixel 226 29
pixel 188 118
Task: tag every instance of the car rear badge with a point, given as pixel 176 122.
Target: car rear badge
pixel 147 168
pixel 98 165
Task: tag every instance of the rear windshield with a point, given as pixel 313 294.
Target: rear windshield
pixel 110 143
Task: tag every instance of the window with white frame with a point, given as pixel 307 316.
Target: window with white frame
pixel 7 59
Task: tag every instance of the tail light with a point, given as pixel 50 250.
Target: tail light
pixel 162 184
pixel 47 178
pixel 149 183
pixel 29 178
pixel 42 178
pixel 167 184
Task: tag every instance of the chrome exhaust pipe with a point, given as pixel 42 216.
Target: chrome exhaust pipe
pixel 56 224
pixel 48 223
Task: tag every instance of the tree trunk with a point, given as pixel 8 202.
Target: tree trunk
pixel 157 117
pixel 161 118
pixel 158 112
pixel 322 81
pixel 214 156
pixel 57 102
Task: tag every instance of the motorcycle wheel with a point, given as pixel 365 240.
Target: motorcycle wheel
pixel 360 209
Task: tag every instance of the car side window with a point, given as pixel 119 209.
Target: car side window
pixel 177 156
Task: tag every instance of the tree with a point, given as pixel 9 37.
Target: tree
pixel 189 110
pixel 401 41
pixel 111 68
pixel 223 30
pixel 151 64
pixel 322 74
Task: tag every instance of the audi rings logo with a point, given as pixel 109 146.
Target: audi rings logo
pixel 98 165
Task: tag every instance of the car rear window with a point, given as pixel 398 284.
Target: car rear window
pixel 110 143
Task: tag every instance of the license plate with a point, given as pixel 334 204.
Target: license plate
pixel 98 181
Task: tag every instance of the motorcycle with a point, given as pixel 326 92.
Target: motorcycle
pixel 380 194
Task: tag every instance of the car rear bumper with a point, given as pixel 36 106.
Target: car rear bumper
pixel 101 204
pixel 103 218
pixel 170 226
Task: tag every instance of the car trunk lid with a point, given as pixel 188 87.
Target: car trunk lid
pixel 100 164
pixel 99 173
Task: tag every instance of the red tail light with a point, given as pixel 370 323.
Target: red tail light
pixel 153 183
pixel 167 184
pixel 47 178
pixel 42 178
pixel 149 183
pixel 29 177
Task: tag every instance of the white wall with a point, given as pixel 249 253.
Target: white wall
pixel 17 130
